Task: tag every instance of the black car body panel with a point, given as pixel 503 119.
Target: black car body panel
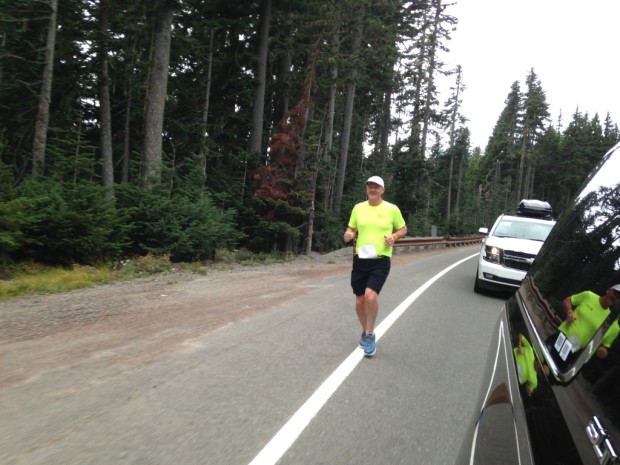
pixel 545 398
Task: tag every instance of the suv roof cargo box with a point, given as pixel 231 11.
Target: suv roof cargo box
pixel 534 208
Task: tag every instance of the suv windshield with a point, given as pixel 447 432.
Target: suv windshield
pixel 523 230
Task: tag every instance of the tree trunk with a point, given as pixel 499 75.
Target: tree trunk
pixel 430 73
pixel 2 45
pixel 204 150
pixel 312 208
pixel 128 93
pixel 156 95
pixel 453 119
pixel 523 160
pixel 531 170
pixel 126 138
pixel 384 132
pixel 282 97
pixel 449 195
pixel 43 115
pixel 459 185
pixel 344 147
pixel 346 130
pixel 76 154
pixel 258 109
pixel 416 106
pixel 104 108
pixel 331 110
pixel 307 116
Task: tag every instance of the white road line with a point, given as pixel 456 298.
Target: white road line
pixel 288 434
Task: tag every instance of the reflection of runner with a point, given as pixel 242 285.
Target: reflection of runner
pixel 585 313
pixel 524 358
pixel 528 366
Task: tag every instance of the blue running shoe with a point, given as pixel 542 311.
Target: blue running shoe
pixel 363 340
pixel 370 348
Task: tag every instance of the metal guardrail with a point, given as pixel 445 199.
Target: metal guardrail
pixel 432 242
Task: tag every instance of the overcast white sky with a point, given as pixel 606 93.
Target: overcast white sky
pixel 571 45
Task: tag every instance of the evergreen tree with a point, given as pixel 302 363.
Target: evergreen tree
pixel 500 157
pixel 549 183
pixel 452 116
pixel 611 133
pixel 582 148
pixel 349 91
pixel 535 114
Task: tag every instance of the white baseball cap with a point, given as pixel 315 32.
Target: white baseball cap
pixel 376 180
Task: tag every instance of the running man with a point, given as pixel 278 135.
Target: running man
pixel 378 225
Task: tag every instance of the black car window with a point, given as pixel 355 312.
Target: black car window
pixel 581 258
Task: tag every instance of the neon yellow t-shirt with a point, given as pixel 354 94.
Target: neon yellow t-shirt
pixel 589 317
pixel 373 223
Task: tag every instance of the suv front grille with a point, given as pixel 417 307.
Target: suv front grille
pixel 517 260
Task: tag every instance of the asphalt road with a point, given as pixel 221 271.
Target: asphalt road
pixel 286 386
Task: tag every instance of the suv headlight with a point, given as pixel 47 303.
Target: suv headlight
pixel 492 254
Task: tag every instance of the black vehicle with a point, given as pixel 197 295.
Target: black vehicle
pixel 551 393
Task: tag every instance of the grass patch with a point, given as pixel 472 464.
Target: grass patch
pixel 246 257
pixel 51 280
pixel 144 266
pixel 34 278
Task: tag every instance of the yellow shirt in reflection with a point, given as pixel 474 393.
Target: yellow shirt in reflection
pixel 611 334
pixel 589 317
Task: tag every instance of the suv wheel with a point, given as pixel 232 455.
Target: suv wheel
pixel 477 288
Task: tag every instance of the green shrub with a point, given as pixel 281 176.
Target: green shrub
pixel 67 223
pixel 186 229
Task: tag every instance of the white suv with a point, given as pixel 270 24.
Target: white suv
pixel 509 249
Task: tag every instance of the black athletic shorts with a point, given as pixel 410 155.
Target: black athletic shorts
pixel 369 272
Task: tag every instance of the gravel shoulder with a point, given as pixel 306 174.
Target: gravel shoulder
pixel 140 321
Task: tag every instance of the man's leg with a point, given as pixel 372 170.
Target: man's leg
pixel 371 307
pixel 360 309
